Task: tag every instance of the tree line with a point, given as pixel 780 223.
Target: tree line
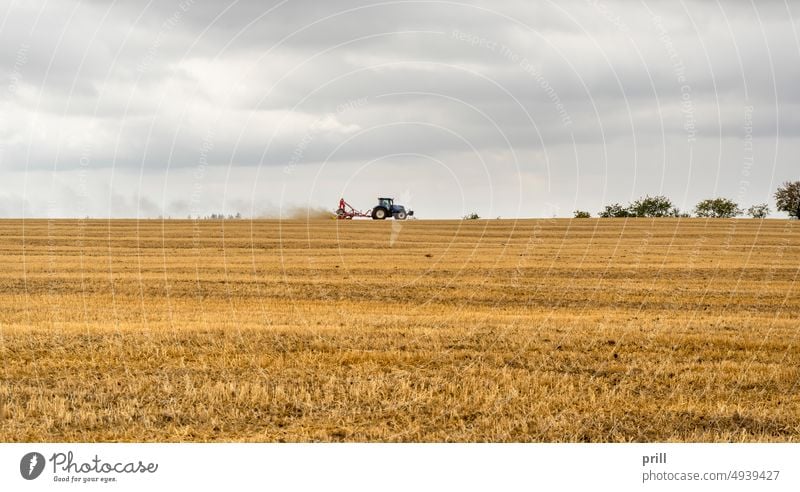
pixel 238 216
pixel 787 199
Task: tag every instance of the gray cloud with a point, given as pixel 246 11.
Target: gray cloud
pixel 571 102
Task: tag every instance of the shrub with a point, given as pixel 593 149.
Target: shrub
pixel 615 210
pixel 656 206
pixel 581 214
pixel 759 211
pixel 676 212
pixel 718 208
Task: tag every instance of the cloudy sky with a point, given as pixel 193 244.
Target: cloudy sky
pixel 506 108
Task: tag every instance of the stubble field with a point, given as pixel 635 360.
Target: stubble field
pixel 500 330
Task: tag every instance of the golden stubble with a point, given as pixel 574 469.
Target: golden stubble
pixel 499 330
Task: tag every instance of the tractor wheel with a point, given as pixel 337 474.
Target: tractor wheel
pixel 340 213
pixel 401 215
pixel 379 213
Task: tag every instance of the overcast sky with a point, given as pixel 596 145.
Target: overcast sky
pixel 506 108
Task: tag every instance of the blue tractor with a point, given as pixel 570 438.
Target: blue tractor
pixel 387 208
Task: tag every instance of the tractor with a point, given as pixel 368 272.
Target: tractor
pixel 386 207
pixel 382 210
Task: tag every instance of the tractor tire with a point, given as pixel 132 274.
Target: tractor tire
pixel 340 213
pixel 400 215
pixel 379 213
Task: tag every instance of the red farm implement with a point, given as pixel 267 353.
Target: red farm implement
pixel 347 211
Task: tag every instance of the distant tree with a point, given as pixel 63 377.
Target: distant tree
pixel 656 206
pixel 472 216
pixel 676 212
pixel 787 198
pixel 759 211
pixel 615 210
pixel 718 208
pixel 581 214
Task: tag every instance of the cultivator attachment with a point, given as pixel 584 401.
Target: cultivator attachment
pixel 347 211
